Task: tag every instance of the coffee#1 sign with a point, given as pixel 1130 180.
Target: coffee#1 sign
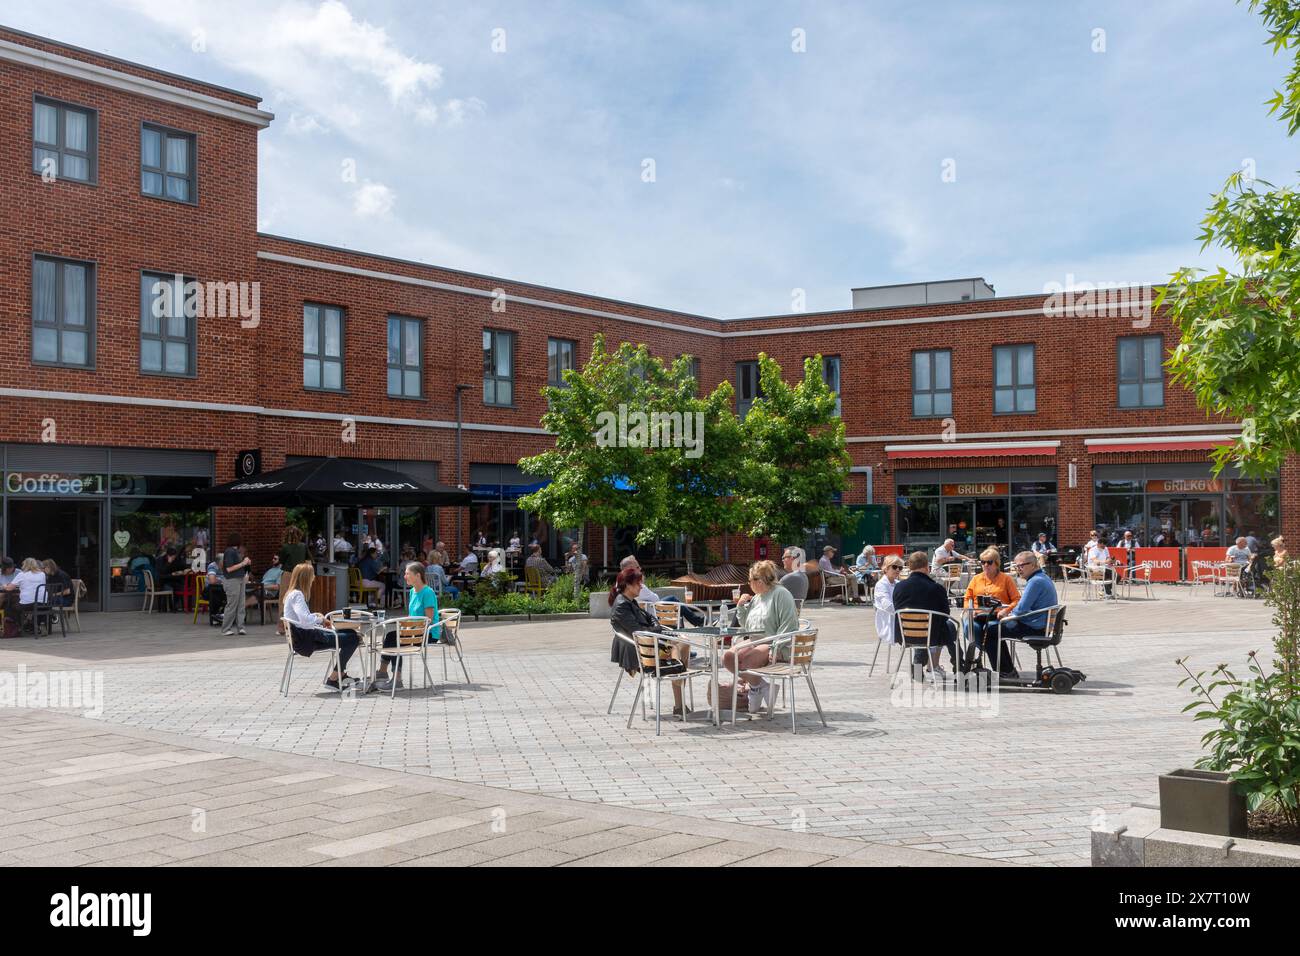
pixel 54 483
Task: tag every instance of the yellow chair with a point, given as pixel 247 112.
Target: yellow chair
pixel 357 591
pixel 533 581
pixel 200 595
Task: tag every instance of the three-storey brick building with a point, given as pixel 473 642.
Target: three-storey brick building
pixel 123 187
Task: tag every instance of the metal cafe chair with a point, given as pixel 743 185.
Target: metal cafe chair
pixel 647 647
pixel 802 645
pixel 915 629
pixel 286 677
pixel 48 606
pixel 413 634
pixel 450 638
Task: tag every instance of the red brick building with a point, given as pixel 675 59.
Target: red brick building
pixel 987 413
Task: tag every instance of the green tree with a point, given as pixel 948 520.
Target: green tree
pixel 697 481
pixel 1239 351
pixel 795 459
pixel 584 476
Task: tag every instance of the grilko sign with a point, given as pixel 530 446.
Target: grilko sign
pixel 1183 486
pixel 977 489
pixel 54 483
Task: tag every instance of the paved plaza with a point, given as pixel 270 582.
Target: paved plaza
pixel 196 758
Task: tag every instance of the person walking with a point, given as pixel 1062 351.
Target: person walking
pixel 234 569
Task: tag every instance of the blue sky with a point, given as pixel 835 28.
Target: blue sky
pixel 774 170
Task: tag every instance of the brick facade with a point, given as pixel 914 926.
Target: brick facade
pixel 247 391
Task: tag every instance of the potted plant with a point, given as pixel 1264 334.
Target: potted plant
pixel 1253 759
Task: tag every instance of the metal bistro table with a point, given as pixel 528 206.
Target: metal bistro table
pixel 712 639
pixel 370 627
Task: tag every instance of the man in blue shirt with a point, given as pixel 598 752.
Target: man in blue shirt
pixel 1039 592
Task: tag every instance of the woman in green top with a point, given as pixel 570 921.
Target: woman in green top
pixel 769 609
pixel 423 602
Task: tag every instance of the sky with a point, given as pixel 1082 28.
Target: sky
pixel 714 157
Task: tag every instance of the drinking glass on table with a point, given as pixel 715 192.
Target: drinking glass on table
pixel 689 595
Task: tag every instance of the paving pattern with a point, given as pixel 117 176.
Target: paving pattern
pixel 1020 780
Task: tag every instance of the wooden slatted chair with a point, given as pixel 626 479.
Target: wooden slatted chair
pixel 915 627
pixel 650 647
pixel 803 643
pixel 413 636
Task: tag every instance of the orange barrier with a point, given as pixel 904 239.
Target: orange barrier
pixel 1202 554
pixel 1165 563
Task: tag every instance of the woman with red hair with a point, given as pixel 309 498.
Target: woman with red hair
pixel 628 617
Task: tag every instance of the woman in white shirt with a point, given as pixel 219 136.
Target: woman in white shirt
pixel 495 563
pixel 295 610
pixel 884 598
pixel 26 582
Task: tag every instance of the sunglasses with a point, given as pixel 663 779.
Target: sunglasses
pixel 989 562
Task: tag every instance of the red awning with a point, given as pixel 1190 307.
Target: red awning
pixel 980 449
pixel 1107 446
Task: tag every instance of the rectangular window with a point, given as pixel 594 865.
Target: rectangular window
pixel 404 356
pixel 1141 371
pixel 63 312
pixel 831 376
pixel 747 387
pixel 498 367
pixel 932 383
pixel 167 164
pixel 167 325
pixel 64 140
pixel 322 347
pixel 1013 379
pixel 560 357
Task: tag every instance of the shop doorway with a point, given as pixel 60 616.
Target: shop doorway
pixel 67 531
pixel 980 522
pixel 1184 521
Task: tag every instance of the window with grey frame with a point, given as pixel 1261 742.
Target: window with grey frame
pixel 561 356
pixel 831 376
pixel 1013 380
pixel 167 325
pixel 694 362
pixel 748 387
pixel 64 139
pixel 63 312
pixel 1141 372
pixel 404 356
pixel 932 383
pixel 498 367
pixel 167 164
pixel 322 347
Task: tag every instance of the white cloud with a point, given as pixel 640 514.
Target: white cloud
pixel 373 200
pixel 304 125
pixel 317 56
pixel 458 110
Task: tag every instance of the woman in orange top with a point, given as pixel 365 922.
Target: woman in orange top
pixel 992 581
pixel 995 583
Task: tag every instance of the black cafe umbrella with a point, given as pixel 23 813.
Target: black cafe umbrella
pixel 329 481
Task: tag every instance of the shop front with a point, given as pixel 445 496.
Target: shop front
pixel 409 532
pixel 97 512
pixel 495 513
pixel 977 507
pixel 1184 505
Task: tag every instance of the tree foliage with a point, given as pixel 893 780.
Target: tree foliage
pixel 1239 352
pixel 776 473
pixel 796 459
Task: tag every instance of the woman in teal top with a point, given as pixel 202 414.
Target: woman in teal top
pixel 423 602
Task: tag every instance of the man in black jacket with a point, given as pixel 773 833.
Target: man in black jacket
pixel 918 591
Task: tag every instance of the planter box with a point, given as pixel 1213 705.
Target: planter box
pixel 1202 801
pixel 1135 838
pixel 599 605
